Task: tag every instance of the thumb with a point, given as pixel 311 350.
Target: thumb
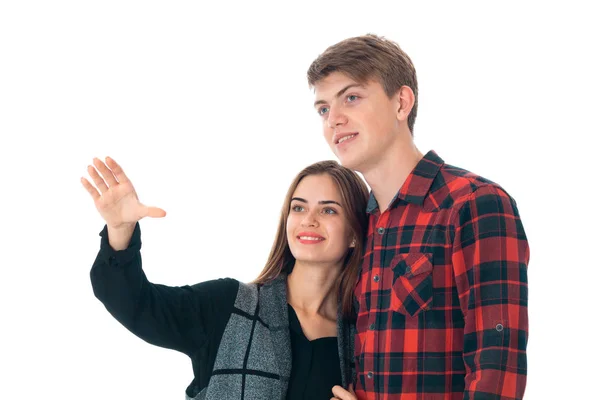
pixel 154 212
pixel 342 394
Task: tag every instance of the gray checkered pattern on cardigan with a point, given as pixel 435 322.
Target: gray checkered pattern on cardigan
pixel 254 357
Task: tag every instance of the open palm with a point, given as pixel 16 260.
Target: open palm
pixel 114 195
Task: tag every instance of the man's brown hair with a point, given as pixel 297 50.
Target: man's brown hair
pixel 369 57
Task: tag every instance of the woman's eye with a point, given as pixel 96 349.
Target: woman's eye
pixel 329 211
pixel 297 208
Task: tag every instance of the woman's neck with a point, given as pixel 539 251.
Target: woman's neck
pixel 312 289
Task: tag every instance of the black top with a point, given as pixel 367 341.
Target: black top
pixel 315 364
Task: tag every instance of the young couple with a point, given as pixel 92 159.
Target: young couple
pixel 416 290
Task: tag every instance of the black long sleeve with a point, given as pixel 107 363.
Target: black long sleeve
pixel 181 318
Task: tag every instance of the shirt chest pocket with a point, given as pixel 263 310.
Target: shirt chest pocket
pixel 412 288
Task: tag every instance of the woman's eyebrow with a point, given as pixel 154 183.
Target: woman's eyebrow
pixel 320 202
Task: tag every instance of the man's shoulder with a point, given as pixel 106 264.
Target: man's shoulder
pixel 459 178
pixel 455 186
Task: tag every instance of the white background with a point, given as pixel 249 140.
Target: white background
pixel 208 110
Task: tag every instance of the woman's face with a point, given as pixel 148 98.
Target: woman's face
pixel 318 231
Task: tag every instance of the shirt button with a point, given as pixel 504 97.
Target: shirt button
pixel 370 374
pixel 380 230
pixel 499 328
pixel 376 278
pixel 372 327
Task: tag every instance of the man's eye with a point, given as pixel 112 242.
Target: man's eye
pixel 323 110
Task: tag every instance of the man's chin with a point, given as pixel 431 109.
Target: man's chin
pixel 349 162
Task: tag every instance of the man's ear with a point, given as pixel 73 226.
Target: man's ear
pixel 405 98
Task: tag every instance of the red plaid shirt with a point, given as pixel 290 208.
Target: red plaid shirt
pixel 442 295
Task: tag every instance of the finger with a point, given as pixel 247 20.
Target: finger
pixel 107 174
pixel 90 188
pixel 100 184
pixel 117 170
pixel 154 212
pixel 341 393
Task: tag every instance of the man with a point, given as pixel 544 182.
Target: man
pixel 442 295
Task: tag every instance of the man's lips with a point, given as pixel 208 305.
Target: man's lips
pixel 339 138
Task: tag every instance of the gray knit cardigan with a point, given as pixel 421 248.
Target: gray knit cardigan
pixel 254 357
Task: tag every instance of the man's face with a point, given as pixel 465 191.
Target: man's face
pixel 360 122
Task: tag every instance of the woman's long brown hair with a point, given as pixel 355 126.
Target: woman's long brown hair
pixel 355 195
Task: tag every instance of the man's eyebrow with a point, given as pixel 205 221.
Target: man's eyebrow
pixel 341 92
pixel 320 202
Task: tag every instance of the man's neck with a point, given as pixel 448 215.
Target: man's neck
pixel 389 174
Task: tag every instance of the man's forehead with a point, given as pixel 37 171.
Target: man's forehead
pixel 334 85
pixel 335 80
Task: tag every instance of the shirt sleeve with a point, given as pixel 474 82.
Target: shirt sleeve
pixel 490 259
pixel 180 318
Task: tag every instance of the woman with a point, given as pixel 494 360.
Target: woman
pixel 287 335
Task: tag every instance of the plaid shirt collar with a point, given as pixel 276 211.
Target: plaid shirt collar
pixel 417 185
